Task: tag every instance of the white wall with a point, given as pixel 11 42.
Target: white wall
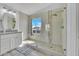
pixel 71 30
pixel 1 29
pixel 1 25
pixel 22 24
pixel 78 27
pixel 44 18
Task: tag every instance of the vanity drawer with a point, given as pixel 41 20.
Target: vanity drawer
pixel 10 35
pixel 7 36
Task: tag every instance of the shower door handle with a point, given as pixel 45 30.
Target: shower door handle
pixel 62 27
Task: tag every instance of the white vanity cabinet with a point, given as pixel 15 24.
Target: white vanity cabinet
pixel 5 45
pixel 9 41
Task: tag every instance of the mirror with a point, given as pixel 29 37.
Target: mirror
pixel 9 21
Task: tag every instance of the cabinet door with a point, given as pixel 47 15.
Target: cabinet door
pixel 13 44
pixel 5 45
pixel 18 40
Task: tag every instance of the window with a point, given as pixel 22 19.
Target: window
pixel 36 25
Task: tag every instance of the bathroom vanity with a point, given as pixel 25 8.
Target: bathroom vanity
pixel 10 37
pixel 9 41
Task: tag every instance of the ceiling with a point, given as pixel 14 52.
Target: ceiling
pixel 31 8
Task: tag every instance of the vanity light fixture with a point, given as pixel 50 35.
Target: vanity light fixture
pixel 10 12
pixel 14 13
pixel 4 10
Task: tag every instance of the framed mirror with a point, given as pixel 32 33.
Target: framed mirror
pixel 9 21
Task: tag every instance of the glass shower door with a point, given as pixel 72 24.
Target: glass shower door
pixel 57 27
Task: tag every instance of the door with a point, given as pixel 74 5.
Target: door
pixel 57 27
pixel 57 31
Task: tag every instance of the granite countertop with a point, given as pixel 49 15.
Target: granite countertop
pixel 5 33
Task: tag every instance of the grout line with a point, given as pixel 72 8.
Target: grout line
pixel 20 52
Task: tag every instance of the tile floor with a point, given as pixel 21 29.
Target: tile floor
pixel 25 50
pixel 30 48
